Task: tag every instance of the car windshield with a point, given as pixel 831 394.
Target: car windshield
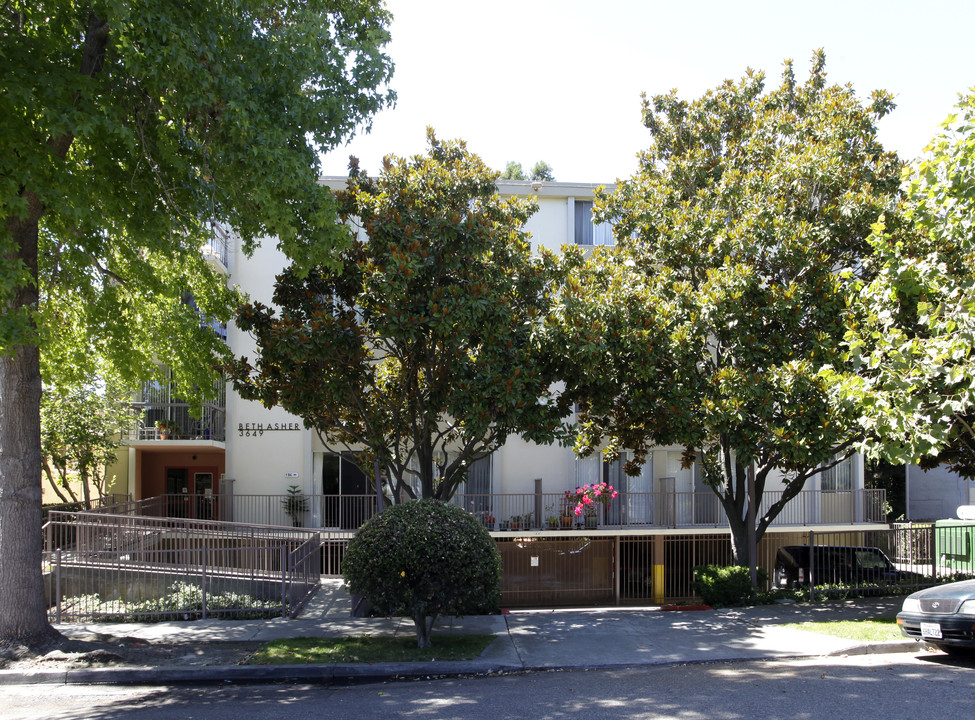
pixel 871 559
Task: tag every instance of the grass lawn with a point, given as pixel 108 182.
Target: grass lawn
pixel 877 629
pixel 368 649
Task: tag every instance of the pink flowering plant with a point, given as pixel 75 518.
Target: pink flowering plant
pixel 584 499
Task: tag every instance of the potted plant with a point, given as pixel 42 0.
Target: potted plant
pixel 515 522
pixel 488 520
pixel 295 504
pixel 551 519
pixel 585 500
pixel 566 515
pixel 591 519
pixel 164 428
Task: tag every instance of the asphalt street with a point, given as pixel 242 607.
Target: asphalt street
pixel 901 686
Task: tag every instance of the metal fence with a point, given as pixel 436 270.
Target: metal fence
pixel 538 571
pixel 109 567
pixel 551 511
pixel 659 568
pixel 207 421
pixel 911 557
pixel 107 500
pixel 520 512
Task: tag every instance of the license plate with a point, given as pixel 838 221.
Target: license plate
pixel 931 630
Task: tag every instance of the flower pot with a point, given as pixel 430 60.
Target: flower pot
pixel 591 521
pixel 566 522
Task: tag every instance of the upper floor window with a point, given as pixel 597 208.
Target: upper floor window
pixel 585 231
pixel 838 477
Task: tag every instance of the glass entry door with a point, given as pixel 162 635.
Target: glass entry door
pixel 177 492
pixel 203 489
pixel 348 497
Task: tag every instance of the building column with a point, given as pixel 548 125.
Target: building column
pixel 658 569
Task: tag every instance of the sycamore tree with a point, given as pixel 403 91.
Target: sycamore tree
pixel 129 127
pixel 738 240
pixel 423 347
pixel 912 374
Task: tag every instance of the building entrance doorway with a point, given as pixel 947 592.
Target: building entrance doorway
pixel 189 492
pixel 348 499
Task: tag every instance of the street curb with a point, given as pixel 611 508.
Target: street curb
pixel 883 648
pixel 346 674
pixel 202 675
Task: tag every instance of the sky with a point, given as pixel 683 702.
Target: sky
pixel 561 81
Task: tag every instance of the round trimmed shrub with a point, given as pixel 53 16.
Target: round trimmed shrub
pixel 724 586
pixel 423 559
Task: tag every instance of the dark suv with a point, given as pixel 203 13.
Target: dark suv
pixel 835 565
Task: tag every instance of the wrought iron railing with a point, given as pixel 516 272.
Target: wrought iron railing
pixel 177 421
pixel 100 565
pixel 523 511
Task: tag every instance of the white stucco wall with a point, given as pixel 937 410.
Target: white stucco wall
pixel 264 449
pixel 936 494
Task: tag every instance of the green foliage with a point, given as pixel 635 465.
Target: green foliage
pixel 425 345
pixel 738 241
pixel 80 432
pixel 174 129
pixel 912 378
pixel 882 475
pixel 723 586
pixel 541 171
pixel 513 171
pixel 295 503
pixel 424 559
pixel 182 601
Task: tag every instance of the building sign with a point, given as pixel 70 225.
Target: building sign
pixel 257 429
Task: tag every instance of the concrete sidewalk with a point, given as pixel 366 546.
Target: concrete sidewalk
pixel 564 639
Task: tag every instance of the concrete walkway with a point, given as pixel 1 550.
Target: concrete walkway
pixel 564 639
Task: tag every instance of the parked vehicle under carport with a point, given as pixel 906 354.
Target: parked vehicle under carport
pixel 847 565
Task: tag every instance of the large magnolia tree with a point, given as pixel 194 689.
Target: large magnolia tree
pixel 423 348
pixel 127 127
pixel 912 377
pixel 738 239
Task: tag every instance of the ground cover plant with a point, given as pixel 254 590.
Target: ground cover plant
pixel 183 601
pixel 368 649
pixel 873 630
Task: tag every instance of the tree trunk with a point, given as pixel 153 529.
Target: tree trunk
pixel 423 626
pixel 85 490
pixel 739 541
pixel 23 610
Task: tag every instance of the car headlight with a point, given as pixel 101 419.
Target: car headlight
pixel 912 605
pixel 967 608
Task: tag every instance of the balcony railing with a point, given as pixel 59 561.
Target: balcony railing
pixel 219 244
pixel 524 512
pixel 180 422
